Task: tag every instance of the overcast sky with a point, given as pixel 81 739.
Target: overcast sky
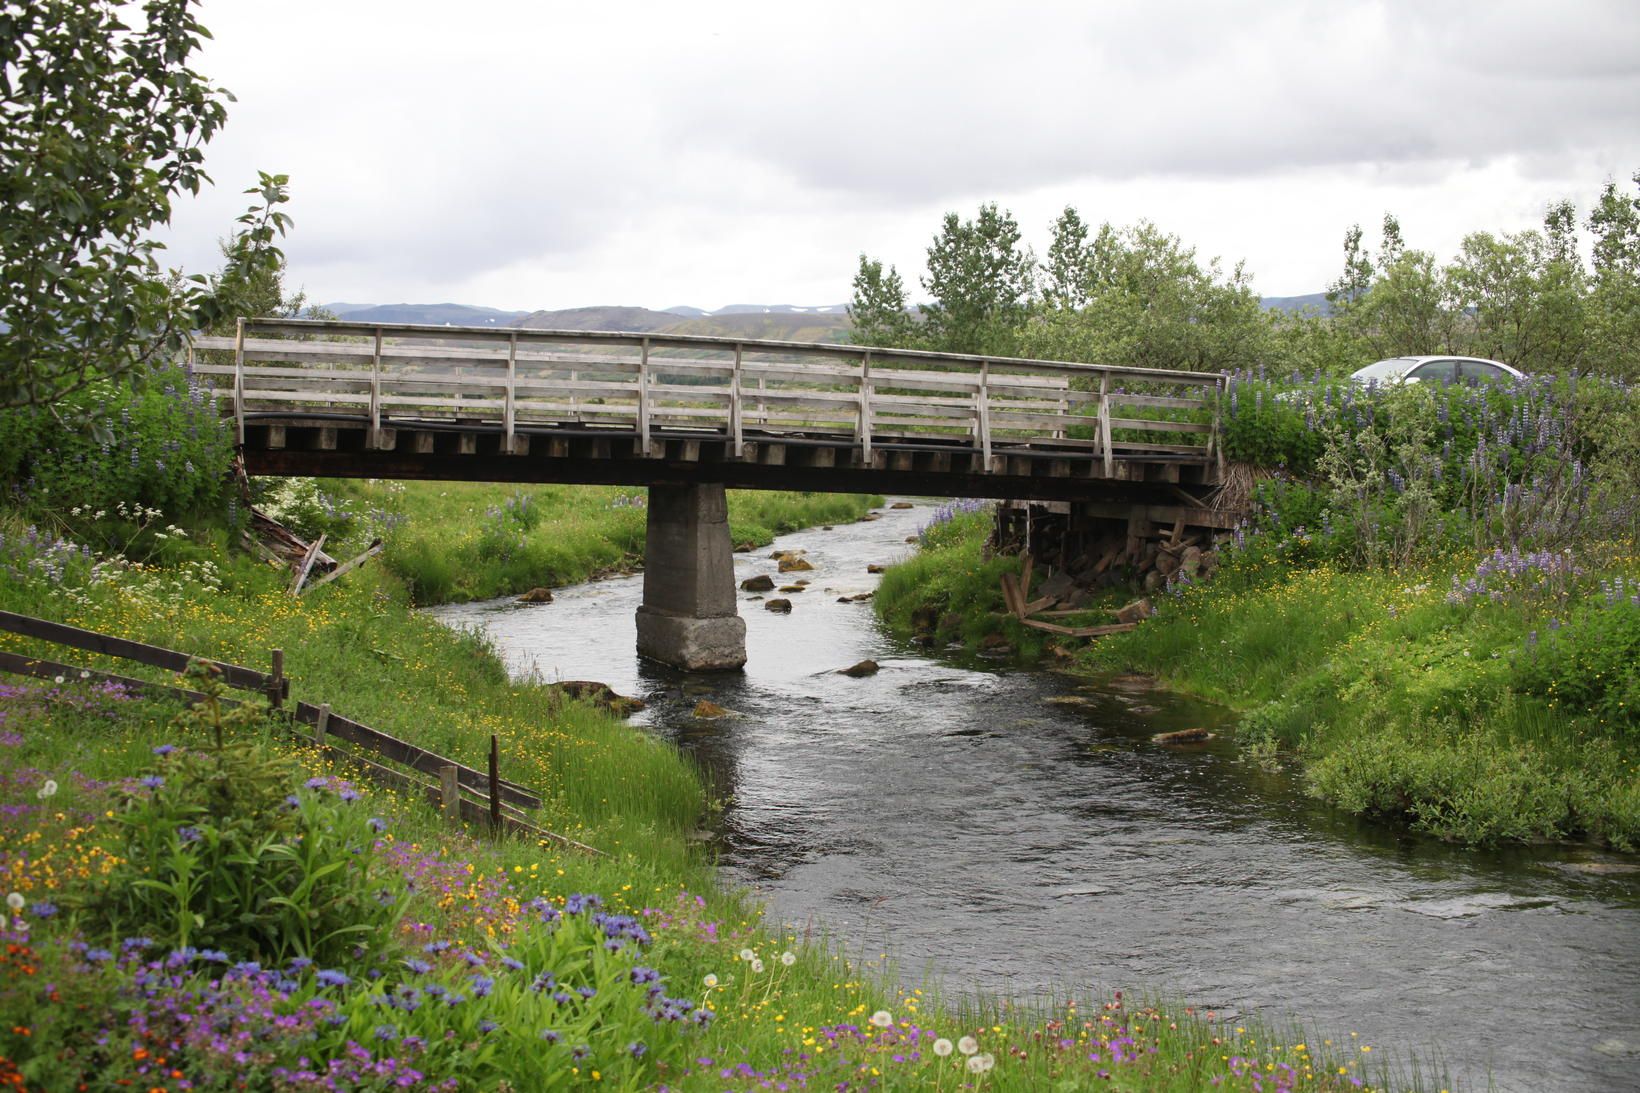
pixel 544 154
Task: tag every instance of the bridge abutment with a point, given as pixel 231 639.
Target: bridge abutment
pixel 688 617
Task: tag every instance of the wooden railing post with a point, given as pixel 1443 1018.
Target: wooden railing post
pixel 450 794
pixel 512 378
pixel 276 680
pixel 376 392
pixel 865 408
pixel 736 421
pixel 321 724
pixel 1215 438
pixel 239 378
pixel 643 399
pixel 1104 426
pixel 495 786
pixel 983 395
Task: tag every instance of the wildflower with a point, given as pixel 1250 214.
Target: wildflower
pixel 711 980
pixel 757 965
pixel 550 1036
pixel 164 749
pixel 746 954
pixel 967 1045
pixel 330 977
pixel 979 1064
pixel 376 824
pixel 882 1019
pixel 152 781
pixel 188 834
pixel 636 1049
pixel 15 901
pixel 47 790
pixel 788 958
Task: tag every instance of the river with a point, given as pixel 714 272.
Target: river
pixel 949 815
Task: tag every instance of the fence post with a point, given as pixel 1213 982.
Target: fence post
pixel 376 392
pixel 495 786
pixel 1104 425
pixel 643 399
pixel 737 426
pixel 983 395
pixel 510 413
pixel 321 724
pixel 239 379
pixel 450 794
pixel 865 408
pixel 276 685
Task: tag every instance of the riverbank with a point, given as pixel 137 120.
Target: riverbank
pixel 453 991
pixel 1486 699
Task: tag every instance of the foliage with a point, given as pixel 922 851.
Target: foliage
pixel 215 852
pixel 158 442
pixel 105 126
pixel 1591 660
pixel 982 280
pixel 877 312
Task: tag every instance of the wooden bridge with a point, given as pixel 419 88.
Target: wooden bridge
pixel 687 416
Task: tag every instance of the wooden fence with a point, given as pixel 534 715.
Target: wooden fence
pixel 724 388
pixel 463 793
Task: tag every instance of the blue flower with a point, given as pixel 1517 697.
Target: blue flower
pixel 376 824
pixel 152 781
pixel 487 1026
pixel 386 1032
pixel 188 834
pixel 420 967
pixel 98 956
pixel 164 749
pixel 636 1049
pixel 550 1036
pixel 482 985
pixel 330 977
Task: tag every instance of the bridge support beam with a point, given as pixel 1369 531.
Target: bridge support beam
pixel 688 617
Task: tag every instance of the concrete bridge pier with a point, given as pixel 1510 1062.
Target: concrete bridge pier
pixel 688 617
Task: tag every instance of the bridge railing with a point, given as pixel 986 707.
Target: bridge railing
pixel 517 379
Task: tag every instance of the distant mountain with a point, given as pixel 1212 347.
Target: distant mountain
pixel 431 314
pixel 783 323
pixel 779 309
pixel 1316 300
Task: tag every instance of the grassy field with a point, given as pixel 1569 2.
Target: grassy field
pixel 486 966
pixel 457 541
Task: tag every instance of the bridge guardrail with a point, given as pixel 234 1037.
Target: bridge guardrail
pixel 726 388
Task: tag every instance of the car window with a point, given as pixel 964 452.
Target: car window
pixel 1384 370
pixel 1432 370
pixel 1481 372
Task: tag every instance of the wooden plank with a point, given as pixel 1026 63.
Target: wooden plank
pixel 240 678
pixel 410 755
pixel 1160 426
pixel 375 548
pixel 307 563
pixel 1079 631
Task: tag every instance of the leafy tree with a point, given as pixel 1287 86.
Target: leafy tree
pixel 877 313
pixel 1614 300
pixel 102 124
pixel 982 282
pixel 1525 307
pixel 1071 259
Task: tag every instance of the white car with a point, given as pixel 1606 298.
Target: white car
pixel 1446 369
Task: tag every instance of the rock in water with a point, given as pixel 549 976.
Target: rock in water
pixel 706 709
pixel 598 694
pixel 760 583
pixel 1183 736
pixel 864 668
pixel 1137 611
pixel 875 568
pixel 536 595
pixel 902 505
pixel 794 565
pixel 791 588
pixel 784 607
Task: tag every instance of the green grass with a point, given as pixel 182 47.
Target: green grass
pixel 467 541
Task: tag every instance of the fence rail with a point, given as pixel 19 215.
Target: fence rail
pixel 724 388
pixel 482 797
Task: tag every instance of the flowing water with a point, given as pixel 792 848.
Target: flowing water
pixel 1019 833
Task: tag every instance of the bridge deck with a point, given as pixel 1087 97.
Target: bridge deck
pixel 344 399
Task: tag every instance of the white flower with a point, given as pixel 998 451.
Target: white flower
pixel 15 901
pixel 49 789
pixel 882 1018
pixel 59 679
pixel 75 511
pixel 746 954
pixel 757 965
pixel 710 980
pixel 979 1064
pixel 942 1047
pixel 967 1045
pixel 85 675
pixel 788 958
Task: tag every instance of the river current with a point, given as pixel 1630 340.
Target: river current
pixel 1018 833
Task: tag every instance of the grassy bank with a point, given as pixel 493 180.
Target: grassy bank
pixel 1484 699
pixel 482 966
pixel 456 541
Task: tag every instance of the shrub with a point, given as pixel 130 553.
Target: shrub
pixel 1591 662
pixel 155 440
pixel 218 853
